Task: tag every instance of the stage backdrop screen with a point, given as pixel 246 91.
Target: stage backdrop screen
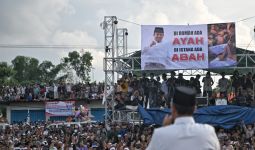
pixel 59 108
pixel 188 46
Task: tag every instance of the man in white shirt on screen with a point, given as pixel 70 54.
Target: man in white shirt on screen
pixel 158 36
pixel 180 132
pixel 155 56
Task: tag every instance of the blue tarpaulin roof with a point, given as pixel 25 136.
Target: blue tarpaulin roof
pixel 223 116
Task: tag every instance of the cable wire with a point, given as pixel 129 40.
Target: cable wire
pixel 87 46
pixel 50 46
pixel 129 21
pixel 246 49
pixel 246 19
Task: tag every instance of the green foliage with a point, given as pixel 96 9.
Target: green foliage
pixel 48 71
pixel 81 64
pixel 26 68
pixel 5 73
pixel 10 82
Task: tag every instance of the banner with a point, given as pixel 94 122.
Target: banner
pixel 59 108
pixel 188 46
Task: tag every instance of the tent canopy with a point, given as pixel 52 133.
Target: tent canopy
pixel 223 116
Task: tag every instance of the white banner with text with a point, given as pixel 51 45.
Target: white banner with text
pixel 188 46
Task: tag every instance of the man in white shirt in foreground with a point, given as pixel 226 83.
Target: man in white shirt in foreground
pixel 180 132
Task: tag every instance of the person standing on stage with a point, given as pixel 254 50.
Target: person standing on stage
pixel 180 131
pixel 153 89
pixel 144 82
pixel 223 85
pixel 171 85
pixel 208 82
pixel 180 81
pixel 197 85
pixel 164 87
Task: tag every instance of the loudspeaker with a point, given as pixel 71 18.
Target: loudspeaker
pixel 202 101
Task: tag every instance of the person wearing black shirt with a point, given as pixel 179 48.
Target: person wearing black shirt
pixel 135 83
pixel 197 85
pixel 158 91
pixel 248 81
pixel 152 85
pixel 236 81
pixel 180 81
pixel 191 82
pixel 171 86
pixel 249 87
pixel 120 101
pixel 144 81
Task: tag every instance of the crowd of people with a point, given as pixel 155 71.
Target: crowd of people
pixel 51 91
pixel 158 91
pixel 148 90
pixel 77 137
pixel 221 41
pixel 97 136
pixel 243 86
pixel 129 90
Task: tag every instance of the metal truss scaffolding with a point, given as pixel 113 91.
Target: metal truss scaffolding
pixel 118 61
pixel 109 25
pixel 121 50
pixel 122 34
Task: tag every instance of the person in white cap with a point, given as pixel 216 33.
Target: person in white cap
pixel 180 132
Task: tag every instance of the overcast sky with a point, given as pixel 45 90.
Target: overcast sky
pixel 77 22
